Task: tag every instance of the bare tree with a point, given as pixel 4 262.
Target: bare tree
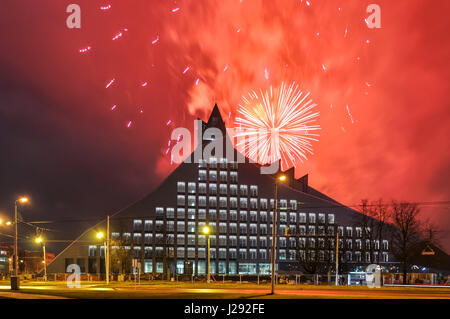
pixel 373 219
pixel 405 216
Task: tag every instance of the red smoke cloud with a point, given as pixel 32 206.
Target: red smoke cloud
pixel 382 93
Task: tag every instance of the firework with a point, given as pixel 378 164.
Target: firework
pixel 110 83
pixel 107 7
pixel 187 69
pixel 84 50
pixel 276 124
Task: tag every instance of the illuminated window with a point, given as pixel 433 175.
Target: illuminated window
pixel 137 225
pixel 180 213
pixel 223 176
pixel 253 190
pixel 293 204
pixel 181 187
pixel 202 214
pixel 202 188
pixel 330 218
pixel 191 188
pixel 212 189
pixel 213 175
pixel 312 218
pixel 233 190
pixel 191 201
pixel 180 200
pixel 223 189
pixel 191 213
pixel 233 177
pixel 202 175
pixel 233 215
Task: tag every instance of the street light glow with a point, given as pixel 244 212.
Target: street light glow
pixel 23 200
pixel 100 235
pixel 206 230
pixel 8 223
pixel 282 178
pixel 38 240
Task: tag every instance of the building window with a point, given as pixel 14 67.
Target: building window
pixel 233 228
pixel 212 201
pixel 233 202
pixel 385 245
pixel 263 203
pixel 202 175
pixel 137 238
pixel 213 162
pixel 180 213
pixel 223 176
pixel 170 212
pixel 223 228
pixel 311 230
pixel 322 218
pixel 282 254
pixel 302 218
pixel 242 255
pixel 213 175
pixel 263 242
pixel 181 187
pixel 293 204
pixel 232 255
pixel 253 216
pixel 92 251
pixel 223 163
pixel 243 228
pixel 253 190
pixel 223 189
pixel 223 239
pixel 349 231
pixel 233 177
pixel 191 213
pixel 263 229
pixel 202 188
pixel 222 253
pixel 330 218
pixel 148 239
pixel 243 215
pixel 222 214
pixel 385 257
pixel 137 225
pixel 243 202
pixel 312 218
pixel 180 200
pixel 223 202
pixel 253 203
pixel 180 226
pixel 263 217
pixel 202 163
pixel 212 214
pixel 243 190
pixel 292 217
pixel 212 189
pixel 191 201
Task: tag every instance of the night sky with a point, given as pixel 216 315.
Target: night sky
pixel 82 149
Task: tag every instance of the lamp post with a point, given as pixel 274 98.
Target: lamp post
pixel 15 279
pixel 101 235
pixel 281 178
pixel 206 231
pixel 40 240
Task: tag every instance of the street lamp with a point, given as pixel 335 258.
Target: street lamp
pixel 40 240
pixel 101 235
pixel 15 279
pixel 206 230
pixel 281 178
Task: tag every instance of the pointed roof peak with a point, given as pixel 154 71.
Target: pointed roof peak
pixel 215 119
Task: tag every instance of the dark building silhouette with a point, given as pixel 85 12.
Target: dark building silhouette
pixel 163 230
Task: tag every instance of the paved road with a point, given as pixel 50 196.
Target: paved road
pixel 93 291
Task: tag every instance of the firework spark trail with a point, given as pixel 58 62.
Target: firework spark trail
pixel 175 10
pixel 113 107
pixel 276 124
pixel 104 8
pixel 349 114
pixel 187 69
pixel 110 83
pixel 156 40
pixel 144 84
pixel 84 50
